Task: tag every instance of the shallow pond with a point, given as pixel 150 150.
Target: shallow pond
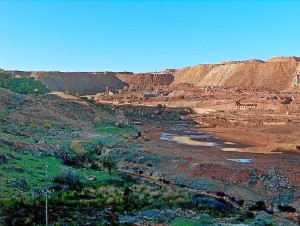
pixel 240 160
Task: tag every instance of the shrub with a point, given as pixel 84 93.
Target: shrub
pixel 89 100
pixel 68 177
pixel 47 126
pixel 220 193
pixel 240 202
pixel 94 166
pixel 286 208
pixel 249 214
pixel 69 159
pixel 259 205
pixel 212 206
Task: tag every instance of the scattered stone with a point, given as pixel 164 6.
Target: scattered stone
pixel 90 177
pixel 276 181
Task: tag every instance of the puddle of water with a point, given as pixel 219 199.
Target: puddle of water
pixel 167 136
pixel 259 150
pixel 191 132
pixel 230 143
pixel 199 136
pixel 186 139
pixel 182 124
pixel 187 134
pixel 240 160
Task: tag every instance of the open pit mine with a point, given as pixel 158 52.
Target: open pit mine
pixel 211 144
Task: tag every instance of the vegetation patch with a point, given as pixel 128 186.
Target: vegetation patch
pixel 110 128
pixel 21 85
pixel 203 220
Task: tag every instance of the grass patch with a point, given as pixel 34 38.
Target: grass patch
pixel 181 222
pixel 203 220
pixel 110 128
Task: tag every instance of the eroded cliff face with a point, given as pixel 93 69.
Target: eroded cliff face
pixel 81 82
pixel 95 82
pixel 278 73
pixel 146 79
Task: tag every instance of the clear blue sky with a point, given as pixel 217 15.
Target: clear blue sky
pixel 144 35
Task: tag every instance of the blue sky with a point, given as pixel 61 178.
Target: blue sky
pixel 144 35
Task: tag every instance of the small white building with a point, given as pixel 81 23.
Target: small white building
pixel 245 106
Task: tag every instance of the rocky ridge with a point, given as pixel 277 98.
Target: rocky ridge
pixel 275 74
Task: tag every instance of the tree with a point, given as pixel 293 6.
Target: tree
pixel 108 163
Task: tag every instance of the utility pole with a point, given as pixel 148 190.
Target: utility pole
pixel 46 194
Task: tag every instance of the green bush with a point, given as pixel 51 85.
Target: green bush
pixel 89 100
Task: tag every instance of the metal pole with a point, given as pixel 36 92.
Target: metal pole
pixel 34 93
pixel 46 194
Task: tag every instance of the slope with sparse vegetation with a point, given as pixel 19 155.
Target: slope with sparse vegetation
pixel 46 149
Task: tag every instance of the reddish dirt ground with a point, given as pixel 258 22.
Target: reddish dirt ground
pixel 211 162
